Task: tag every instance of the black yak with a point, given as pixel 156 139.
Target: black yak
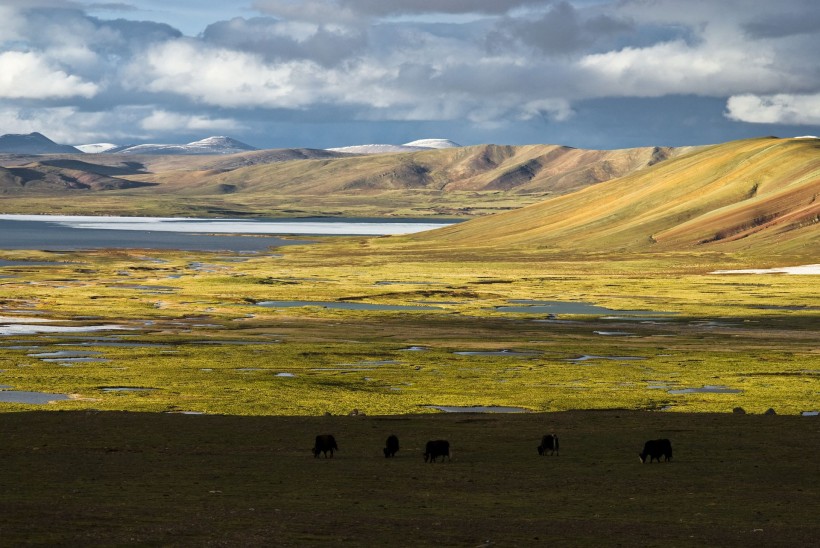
pixel 325 443
pixel 655 449
pixel 548 443
pixel 435 449
pixel 391 446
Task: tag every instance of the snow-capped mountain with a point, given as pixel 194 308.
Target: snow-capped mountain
pixel 97 148
pixel 414 146
pixel 33 143
pixel 210 145
pixel 432 143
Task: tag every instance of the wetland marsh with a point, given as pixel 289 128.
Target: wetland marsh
pixel 276 332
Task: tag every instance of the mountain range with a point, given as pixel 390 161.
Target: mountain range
pixel 754 194
pixel 440 179
pixel 37 143
pixel 209 145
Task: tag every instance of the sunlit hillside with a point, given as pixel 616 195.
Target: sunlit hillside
pixel 759 194
pixel 463 181
pixel 531 168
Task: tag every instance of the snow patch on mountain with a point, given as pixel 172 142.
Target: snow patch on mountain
pixel 210 145
pixel 414 146
pixel 376 149
pixel 97 148
pixel 433 143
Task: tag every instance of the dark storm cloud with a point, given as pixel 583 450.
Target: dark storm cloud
pixel 28 4
pixel 112 6
pixel 47 28
pixel 562 29
pixel 406 7
pixel 384 8
pixel 790 23
pixel 273 40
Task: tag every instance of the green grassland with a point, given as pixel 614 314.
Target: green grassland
pixel 209 347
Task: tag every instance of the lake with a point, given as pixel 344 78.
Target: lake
pixel 62 232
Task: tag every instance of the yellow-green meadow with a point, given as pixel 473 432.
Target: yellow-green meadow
pixel 192 336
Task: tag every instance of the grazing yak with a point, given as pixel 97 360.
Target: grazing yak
pixel 391 446
pixel 325 443
pixel 655 449
pixel 435 449
pixel 548 443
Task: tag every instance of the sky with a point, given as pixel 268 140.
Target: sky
pixel 599 74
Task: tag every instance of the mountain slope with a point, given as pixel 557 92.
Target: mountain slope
pixel 33 143
pixel 465 181
pixel 759 193
pixel 50 177
pixel 537 169
pixel 209 145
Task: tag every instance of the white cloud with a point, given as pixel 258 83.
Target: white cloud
pixel 162 121
pixel 679 68
pixel 781 108
pixel 29 75
pixel 224 77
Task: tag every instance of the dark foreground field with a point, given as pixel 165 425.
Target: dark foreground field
pixel 89 478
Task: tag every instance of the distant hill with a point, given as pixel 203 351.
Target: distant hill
pixel 451 181
pixel 541 169
pixel 33 143
pixel 759 195
pixel 50 177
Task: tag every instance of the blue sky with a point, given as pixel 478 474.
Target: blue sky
pixel 325 73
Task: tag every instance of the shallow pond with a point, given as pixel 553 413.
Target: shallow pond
pixel 4 262
pixel 527 306
pixel 586 358
pixel 708 389
pixel 478 409
pixel 345 305
pixel 508 353
pixel 39 398
pixel 29 328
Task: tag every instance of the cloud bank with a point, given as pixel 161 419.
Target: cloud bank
pixel 479 65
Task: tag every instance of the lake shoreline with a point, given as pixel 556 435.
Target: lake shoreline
pixel 72 233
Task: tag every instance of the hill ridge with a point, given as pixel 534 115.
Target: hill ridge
pixel 758 193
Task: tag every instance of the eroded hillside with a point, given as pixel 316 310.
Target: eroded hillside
pixel 455 181
pixel 758 194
